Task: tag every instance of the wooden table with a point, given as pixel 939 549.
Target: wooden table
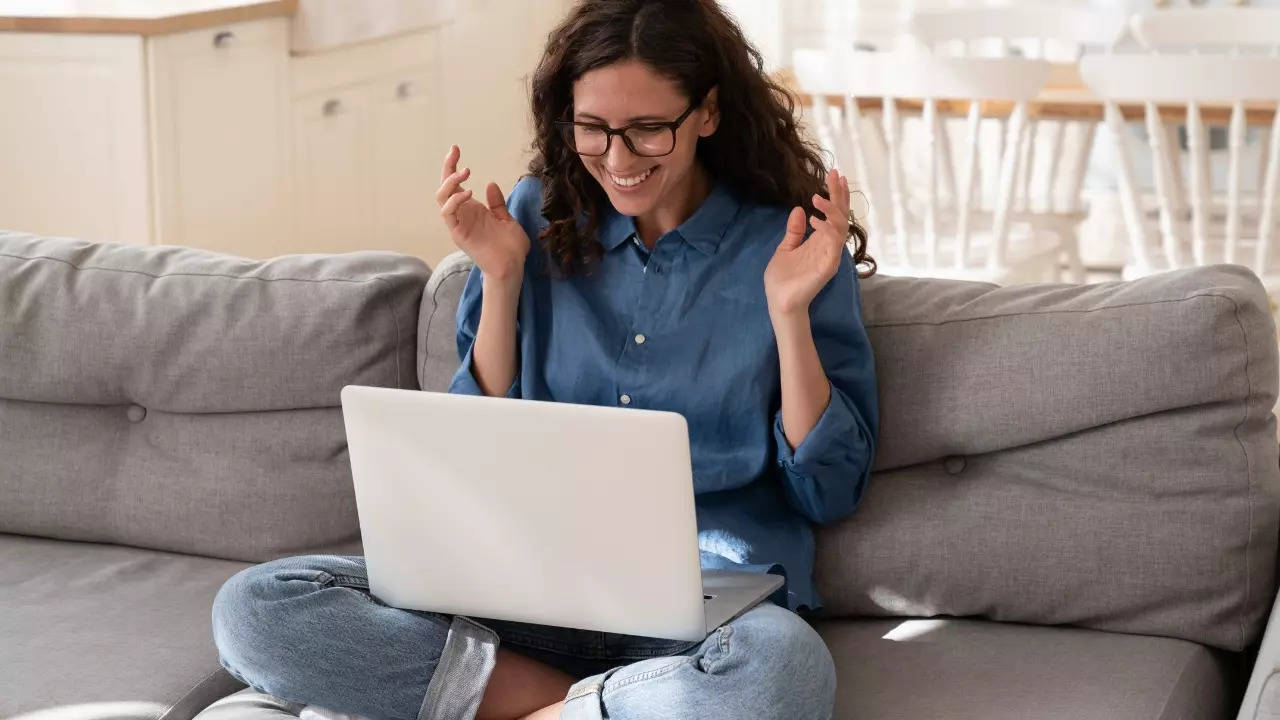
pixel 1064 97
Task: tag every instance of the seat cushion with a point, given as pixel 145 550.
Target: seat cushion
pixel 980 670
pixel 106 632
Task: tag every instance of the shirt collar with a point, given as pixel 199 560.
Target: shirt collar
pixel 703 230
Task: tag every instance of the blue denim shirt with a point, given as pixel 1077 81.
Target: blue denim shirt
pixel 685 328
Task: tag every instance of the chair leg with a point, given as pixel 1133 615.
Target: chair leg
pixel 1071 246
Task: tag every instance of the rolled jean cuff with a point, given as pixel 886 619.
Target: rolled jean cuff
pixel 583 701
pixel 458 683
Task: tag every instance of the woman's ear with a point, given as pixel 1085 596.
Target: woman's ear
pixel 711 106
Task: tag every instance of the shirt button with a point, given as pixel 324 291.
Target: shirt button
pixel 640 339
pixel 626 399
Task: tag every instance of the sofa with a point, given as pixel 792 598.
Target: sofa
pixel 1074 510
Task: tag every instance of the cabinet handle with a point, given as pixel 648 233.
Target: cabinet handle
pixel 404 89
pixel 224 39
pixel 332 107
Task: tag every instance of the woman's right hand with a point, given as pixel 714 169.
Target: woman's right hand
pixel 495 241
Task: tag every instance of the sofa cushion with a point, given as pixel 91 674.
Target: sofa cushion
pixel 1100 455
pixel 185 400
pixel 976 670
pixel 105 632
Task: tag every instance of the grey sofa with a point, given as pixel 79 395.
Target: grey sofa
pixel 1078 484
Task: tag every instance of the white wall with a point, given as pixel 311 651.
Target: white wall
pixel 489 54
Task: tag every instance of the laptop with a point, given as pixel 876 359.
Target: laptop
pixel 541 512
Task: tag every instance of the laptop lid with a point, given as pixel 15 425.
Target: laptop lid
pixel 539 512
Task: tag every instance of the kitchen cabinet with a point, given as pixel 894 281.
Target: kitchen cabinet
pixel 261 127
pixel 220 138
pixel 167 139
pixel 366 141
pixel 74 155
pixel 220 120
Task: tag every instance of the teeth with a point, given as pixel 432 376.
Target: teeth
pixel 633 180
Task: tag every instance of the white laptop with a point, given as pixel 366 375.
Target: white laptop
pixel 540 512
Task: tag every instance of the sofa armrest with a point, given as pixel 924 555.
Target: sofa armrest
pixel 250 704
pixel 1262 696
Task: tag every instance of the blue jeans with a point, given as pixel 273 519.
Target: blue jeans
pixel 306 629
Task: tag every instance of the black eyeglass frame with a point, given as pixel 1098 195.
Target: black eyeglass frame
pixel 567 126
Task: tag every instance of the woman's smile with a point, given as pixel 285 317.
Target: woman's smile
pixel 632 182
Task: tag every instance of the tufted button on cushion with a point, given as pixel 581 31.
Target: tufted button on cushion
pixel 135 413
pixel 954 465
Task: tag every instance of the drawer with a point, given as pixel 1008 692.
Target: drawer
pixel 227 40
pixel 362 63
pixel 321 25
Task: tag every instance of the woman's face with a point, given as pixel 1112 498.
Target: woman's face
pixel 626 93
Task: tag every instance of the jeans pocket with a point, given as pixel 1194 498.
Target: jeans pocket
pixel 319 577
pixel 323 579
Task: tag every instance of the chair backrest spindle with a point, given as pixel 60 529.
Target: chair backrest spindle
pixel 1242 82
pixel 922 204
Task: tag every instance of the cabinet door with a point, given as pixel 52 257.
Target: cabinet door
pixel 407 155
pixel 73 136
pixel 332 207
pixel 221 136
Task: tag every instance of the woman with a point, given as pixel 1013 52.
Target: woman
pixel 657 256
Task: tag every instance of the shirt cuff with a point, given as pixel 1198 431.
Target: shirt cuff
pixel 835 425
pixel 464 382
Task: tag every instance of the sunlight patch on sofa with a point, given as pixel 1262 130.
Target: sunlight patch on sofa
pixel 914 630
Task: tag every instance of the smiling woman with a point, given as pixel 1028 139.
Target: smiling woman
pixel 676 246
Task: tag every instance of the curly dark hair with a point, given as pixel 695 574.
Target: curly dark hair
pixel 757 148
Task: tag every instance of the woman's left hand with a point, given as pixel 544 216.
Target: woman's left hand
pixel 800 268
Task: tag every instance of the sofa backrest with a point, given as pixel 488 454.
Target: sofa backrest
pixel 438 323
pixel 1099 455
pixel 184 400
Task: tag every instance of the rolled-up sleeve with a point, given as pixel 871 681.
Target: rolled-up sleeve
pixel 464 380
pixel 524 204
pixel 824 477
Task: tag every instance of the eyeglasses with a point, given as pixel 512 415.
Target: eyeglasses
pixel 647 139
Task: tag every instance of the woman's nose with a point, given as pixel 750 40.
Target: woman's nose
pixel 619 157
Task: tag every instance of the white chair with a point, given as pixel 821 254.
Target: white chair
pixel 1181 239
pixel 1214 30
pixel 914 228
pixel 1051 175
